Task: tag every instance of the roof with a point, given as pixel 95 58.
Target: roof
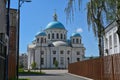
pixel 41 34
pixel 59 43
pixel 55 25
pixel 76 35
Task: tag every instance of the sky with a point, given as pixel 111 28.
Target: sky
pixel 37 14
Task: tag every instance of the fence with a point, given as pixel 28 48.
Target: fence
pixel 104 68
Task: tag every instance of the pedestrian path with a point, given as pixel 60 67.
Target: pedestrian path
pixel 55 75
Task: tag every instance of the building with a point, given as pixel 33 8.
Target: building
pixel 3 40
pixel 23 61
pixel 51 45
pixel 12 44
pixel 111 40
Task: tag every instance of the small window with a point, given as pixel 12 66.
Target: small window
pixel 45 40
pixel 61 36
pixel 80 41
pixel 115 40
pixel 42 61
pixel 62 60
pixel 78 53
pixel 37 40
pixel 73 40
pixel 110 42
pixel 54 52
pixel 52 35
pixel 77 41
pixel 64 36
pixel 42 52
pixel 41 40
pixel 68 59
pixel 61 52
pixel 48 36
pixel 57 36
pixel 54 59
pixel 68 52
pixel 78 59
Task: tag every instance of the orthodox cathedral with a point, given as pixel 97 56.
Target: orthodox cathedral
pixel 51 49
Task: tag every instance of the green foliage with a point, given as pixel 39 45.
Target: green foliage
pixel 21 65
pixel 20 70
pixel 56 63
pixel 33 65
pixel 31 72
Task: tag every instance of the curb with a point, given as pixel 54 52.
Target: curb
pixel 80 76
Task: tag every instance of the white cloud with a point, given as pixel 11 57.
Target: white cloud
pixel 79 30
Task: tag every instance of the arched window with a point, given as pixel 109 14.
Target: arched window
pixel 68 52
pixel 45 40
pixel 80 41
pixel 52 35
pixel 48 36
pixel 73 40
pixel 64 36
pixel 57 36
pixel 61 36
pixel 77 41
pixel 41 40
pixel 37 40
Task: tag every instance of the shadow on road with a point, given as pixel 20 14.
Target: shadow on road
pixel 40 74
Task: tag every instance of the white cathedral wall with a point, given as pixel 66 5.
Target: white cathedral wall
pixel 55 31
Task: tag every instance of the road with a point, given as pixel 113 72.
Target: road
pixel 54 75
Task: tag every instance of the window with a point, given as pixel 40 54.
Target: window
pixel 78 53
pixel 61 52
pixel 45 40
pixel 42 61
pixel 64 36
pixel 80 41
pixel 62 60
pixel 48 36
pixel 110 42
pixel 54 59
pixel 106 43
pixel 54 52
pixel 68 60
pixel 57 36
pixel 42 52
pixel 77 41
pixel 61 36
pixel 52 35
pixel 37 40
pixel 41 40
pixel 68 52
pixel 78 59
pixel 73 40
pixel 115 40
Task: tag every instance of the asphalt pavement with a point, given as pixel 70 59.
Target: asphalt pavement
pixel 54 75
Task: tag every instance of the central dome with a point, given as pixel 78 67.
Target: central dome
pixel 55 25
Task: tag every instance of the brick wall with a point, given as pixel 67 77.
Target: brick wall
pixel 12 45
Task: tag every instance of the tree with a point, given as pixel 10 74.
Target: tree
pixel 21 65
pixel 33 65
pixel 113 12
pixel 56 63
pixel 95 14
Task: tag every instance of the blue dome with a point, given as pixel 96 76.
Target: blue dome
pixel 41 34
pixel 76 35
pixel 55 25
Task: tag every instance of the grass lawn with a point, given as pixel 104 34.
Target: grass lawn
pixel 29 72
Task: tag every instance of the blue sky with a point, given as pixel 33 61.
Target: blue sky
pixel 36 15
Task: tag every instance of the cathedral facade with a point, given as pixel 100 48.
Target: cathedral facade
pixel 51 49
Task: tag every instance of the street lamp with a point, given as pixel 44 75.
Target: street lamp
pixel 20 2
